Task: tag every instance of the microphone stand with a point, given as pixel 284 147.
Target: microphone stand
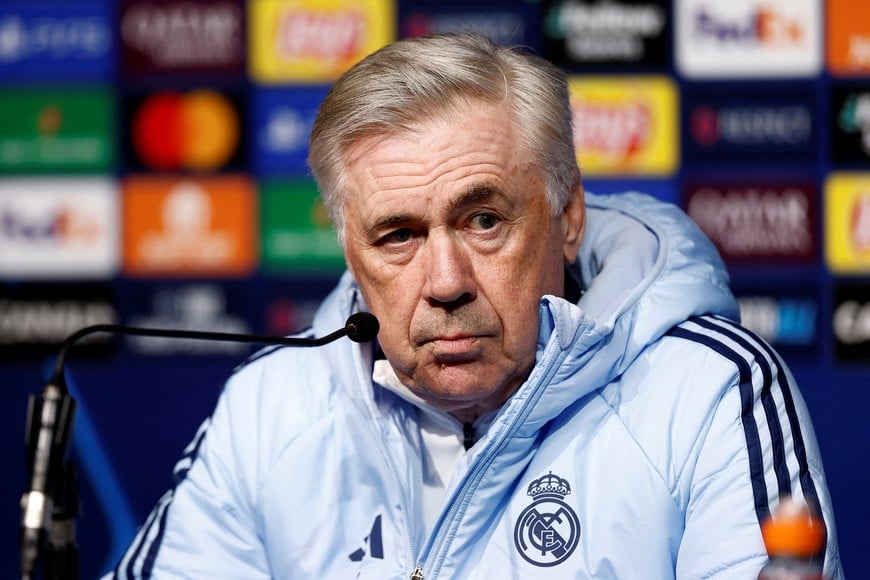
pixel 50 476
pixel 51 503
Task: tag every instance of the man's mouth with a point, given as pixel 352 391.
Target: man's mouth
pixel 447 349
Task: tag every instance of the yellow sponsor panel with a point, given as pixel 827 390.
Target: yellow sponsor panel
pixel 314 41
pixel 847 223
pixel 625 125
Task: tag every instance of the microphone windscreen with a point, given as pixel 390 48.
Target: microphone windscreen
pixel 362 327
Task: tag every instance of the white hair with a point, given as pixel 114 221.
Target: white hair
pixel 397 88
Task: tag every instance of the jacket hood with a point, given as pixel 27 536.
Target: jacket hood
pixel 643 267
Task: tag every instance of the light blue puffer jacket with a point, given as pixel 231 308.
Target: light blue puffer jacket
pixel 649 441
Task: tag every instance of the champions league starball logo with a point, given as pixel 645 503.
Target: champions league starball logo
pixel 547 531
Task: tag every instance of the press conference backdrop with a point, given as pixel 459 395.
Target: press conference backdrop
pixel 152 173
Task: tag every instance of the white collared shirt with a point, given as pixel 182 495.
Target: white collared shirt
pixel 442 437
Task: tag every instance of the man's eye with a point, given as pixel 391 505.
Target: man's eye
pixel 397 237
pixel 485 221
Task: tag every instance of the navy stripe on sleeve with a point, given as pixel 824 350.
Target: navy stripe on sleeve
pixel 743 348
pixel 783 479
pixel 710 332
pixel 808 486
pixel 750 429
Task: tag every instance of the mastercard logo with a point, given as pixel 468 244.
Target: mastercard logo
pixel 196 130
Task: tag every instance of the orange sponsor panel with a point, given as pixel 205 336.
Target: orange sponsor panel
pixel 189 227
pixel 848 37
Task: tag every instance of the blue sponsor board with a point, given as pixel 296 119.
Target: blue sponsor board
pixel 750 124
pixel 281 121
pixel 290 303
pixel 505 23
pixel 53 40
pixel 208 306
pixel 788 317
pixel 663 189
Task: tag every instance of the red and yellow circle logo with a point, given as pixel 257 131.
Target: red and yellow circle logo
pixel 197 130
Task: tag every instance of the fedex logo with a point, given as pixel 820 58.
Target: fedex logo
pixel 63 225
pixel 764 25
pixel 749 38
pixel 58 227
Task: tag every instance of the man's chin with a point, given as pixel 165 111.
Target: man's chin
pixel 456 386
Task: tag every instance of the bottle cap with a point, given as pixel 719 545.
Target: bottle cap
pixel 793 531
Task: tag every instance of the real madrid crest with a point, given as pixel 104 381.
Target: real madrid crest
pixel 548 530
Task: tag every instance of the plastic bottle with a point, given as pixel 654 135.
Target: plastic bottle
pixel 794 539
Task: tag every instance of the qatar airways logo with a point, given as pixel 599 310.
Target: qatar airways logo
pixel 184 33
pixel 333 36
pixel 757 223
pixel 613 130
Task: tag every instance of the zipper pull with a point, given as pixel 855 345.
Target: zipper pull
pixel 417 574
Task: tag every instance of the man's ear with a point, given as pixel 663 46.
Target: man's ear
pixel 573 224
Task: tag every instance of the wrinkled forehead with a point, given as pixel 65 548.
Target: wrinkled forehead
pixel 474 141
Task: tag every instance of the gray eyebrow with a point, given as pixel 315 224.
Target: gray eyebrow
pixel 474 195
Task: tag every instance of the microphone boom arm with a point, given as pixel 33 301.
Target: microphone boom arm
pixel 51 489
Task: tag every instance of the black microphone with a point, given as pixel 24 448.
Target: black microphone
pixel 50 504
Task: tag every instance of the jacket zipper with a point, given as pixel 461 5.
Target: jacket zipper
pixel 472 477
pixel 388 457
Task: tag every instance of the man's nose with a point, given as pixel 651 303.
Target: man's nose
pixel 449 270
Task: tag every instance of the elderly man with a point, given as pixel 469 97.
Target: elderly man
pixel 558 387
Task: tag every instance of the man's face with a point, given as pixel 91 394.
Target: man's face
pixel 450 237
